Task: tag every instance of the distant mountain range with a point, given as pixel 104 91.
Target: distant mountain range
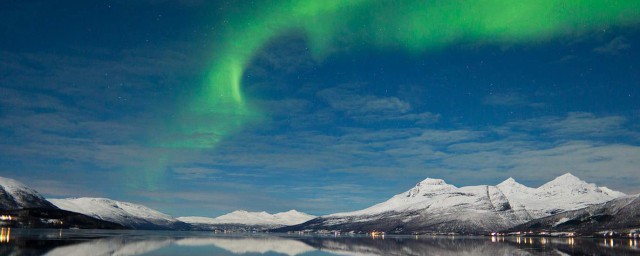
pixel 19 200
pixel 565 204
pixel 433 206
pixel 249 220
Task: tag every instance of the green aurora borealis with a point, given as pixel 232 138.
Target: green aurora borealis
pixel 415 26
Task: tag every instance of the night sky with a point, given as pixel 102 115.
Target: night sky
pixel 205 107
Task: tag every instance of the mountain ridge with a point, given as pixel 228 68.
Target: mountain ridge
pixel 252 219
pixel 128 214
pixel 432 205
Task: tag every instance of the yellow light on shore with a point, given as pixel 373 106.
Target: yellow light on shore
pixel 5 235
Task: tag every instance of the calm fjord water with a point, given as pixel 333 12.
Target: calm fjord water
pixel 108 242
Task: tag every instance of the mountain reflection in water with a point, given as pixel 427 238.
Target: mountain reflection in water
pixel 261 245
pixel 102 242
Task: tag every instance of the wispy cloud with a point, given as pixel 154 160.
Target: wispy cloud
pixel 372 108
pixel 510 100
pixel 465 156
pixel 447 137
pixel 616 46
pixel 195 173
pixel 347 98
pixel 578 125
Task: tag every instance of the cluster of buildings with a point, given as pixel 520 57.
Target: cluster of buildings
pixel 7 220
pixel 7 217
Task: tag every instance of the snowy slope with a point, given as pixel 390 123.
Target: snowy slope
pixel 435 206
pixel 127 214
pixel 618 214
pixel 240 217
pixel 292 217
pixel 15 195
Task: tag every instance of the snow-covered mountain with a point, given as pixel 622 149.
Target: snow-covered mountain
pixel 253 219
pixel 15 195
pixel 127 214
pixel 435 206
pixel 564 193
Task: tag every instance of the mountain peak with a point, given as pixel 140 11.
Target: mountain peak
pixel 509 181
pixel 566 180
pixel 429 185
pixel 293 215
pixel 568 176
pixel 570 184
pixel 510 187
pixel 431 181
pixel 13 185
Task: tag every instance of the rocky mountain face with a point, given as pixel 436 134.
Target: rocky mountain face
pixel 617 214
pixel 15 195
pixel 433 206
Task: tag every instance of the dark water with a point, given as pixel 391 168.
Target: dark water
pixel 106 242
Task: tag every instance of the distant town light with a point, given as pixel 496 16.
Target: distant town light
pixel 5 235
pixel 6 217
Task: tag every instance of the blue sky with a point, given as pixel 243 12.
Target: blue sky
pixel 87 86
